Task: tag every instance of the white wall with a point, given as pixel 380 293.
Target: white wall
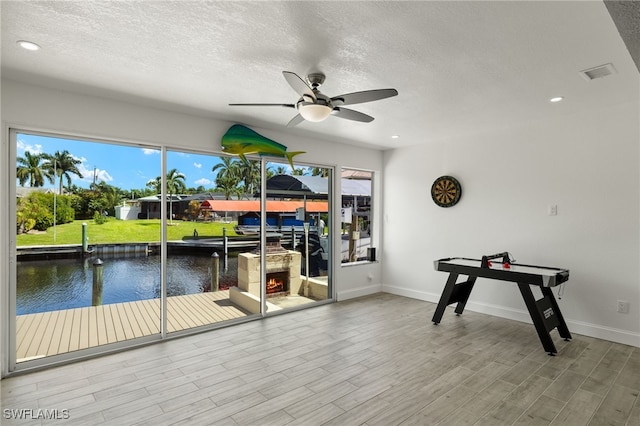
pixel 587 165
pixel 40 109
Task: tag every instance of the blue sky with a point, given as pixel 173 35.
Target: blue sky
pixel 126 167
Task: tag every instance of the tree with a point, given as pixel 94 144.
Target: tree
pixel 36 211
pixel 107 198
pixel 228 168
pixel 63 164
pixel 155 185
pixel 228 176
pixel 250 175
pixel 281 170
pixel 228 186
pixel 175 185
pixel 193 209
pixel 320 171
pixel 31 170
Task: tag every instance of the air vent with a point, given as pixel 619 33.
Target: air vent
pixel 598 72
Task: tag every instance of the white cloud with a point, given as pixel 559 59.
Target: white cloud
pixel 88 174
pixel 197 165
pixel 103 175
pixel 149 151
pixel 203 182
pixel 24 147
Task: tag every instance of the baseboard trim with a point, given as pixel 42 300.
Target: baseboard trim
pixel 358 292
pixel 597 331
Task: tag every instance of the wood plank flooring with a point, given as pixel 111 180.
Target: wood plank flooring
pixel 57 332
pixel 376 360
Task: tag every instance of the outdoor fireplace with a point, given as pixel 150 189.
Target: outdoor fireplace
pixel 282 276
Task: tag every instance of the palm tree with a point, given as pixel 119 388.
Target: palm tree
pixel 228 168
pixel 175 185
pixel 110 196
pixel 250 172
pixel 281 170
pixel 320 171
pixel 31 170
pixel 155 185
pixel 228 176
pixel 63 164
pixel 228 187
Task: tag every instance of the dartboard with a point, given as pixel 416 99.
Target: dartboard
pixel 446 191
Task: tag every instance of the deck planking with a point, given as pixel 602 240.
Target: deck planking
pixel 58 332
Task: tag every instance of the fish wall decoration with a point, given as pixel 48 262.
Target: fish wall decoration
pixel 241 140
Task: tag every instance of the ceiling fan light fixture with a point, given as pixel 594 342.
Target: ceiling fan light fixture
pixel 314 112
pixel 28 45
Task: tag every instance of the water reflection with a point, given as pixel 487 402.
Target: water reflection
pixel 50 285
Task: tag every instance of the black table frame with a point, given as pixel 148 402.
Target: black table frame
pixel 545 313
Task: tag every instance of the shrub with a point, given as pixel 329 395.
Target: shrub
pixel 43 221
pixel 99 219
pixel 36 211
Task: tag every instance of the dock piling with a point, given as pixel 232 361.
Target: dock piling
pixel 96 294
pixel 85 238
pixel 215 271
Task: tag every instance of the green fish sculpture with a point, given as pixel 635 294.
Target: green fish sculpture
pixel 241 140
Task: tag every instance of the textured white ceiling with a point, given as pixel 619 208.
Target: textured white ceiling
pixel 459 67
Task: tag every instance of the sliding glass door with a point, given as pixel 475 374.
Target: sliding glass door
pixel 298 213
pixel 118 244
pixel 203 248
pixel 87 272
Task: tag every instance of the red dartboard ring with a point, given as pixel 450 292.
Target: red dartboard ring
pixel 446 191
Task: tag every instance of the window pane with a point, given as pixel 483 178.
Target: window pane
pixel 356 216
pixel 85 277
pixel 298 201
pixel 202 245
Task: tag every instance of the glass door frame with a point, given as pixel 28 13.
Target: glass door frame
pixel 263 227
pixel 9 332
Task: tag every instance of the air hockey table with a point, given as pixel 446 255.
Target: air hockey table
pixel 544 312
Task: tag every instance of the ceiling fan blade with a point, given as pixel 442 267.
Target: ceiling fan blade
pixel 365 96
pixel 280 105
pixel 295 121
pixel 299 85
pixel 350 114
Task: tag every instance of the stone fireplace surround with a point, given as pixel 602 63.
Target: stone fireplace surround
pixel 247 293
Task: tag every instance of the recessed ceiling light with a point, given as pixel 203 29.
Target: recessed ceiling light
pixel 395 137
pixel 29 45
pixel 556 99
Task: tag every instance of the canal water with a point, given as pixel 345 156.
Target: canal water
pixel 49 285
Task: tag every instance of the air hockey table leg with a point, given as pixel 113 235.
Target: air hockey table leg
pixel 444 298
pixel 563 330
pixel 537 318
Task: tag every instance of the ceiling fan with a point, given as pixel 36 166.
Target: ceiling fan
pixel 315 106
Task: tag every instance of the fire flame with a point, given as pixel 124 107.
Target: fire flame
pixel 274 285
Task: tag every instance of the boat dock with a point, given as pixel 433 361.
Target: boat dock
pixel 69 251
pixel 57 332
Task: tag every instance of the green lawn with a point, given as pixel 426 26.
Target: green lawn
pixel 123 231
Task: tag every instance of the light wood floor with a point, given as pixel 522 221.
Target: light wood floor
pixel 376 360
pixel 58 332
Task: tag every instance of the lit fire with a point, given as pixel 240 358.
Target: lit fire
pixel 274 285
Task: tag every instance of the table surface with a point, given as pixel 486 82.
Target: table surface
pixel 498 266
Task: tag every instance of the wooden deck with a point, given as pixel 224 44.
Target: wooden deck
pixel 58 332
